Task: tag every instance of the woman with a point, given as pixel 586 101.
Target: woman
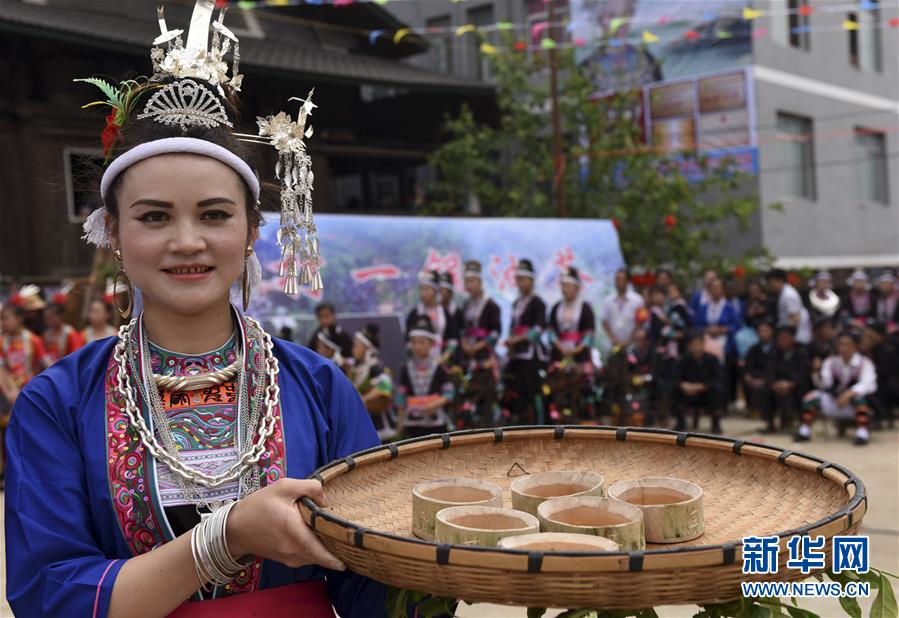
pixel 372 379
pixel 23 352
pixel 99 321
pixel 527 355
pixel 201 407
pixel 759 307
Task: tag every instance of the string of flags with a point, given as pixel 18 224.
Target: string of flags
pixel 644 30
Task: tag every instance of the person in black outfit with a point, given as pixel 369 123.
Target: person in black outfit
pixel 823 345
pixel 571 372
pixel 700 383
pixel 527 355
pixel 759 306
pixel 886 362
pixel 790 377
pixel 431 307
pixel 757 370
pixel 453 312
pixel 481 326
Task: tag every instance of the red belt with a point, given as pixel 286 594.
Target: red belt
pixel 307 599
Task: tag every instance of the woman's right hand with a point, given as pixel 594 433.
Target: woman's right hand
pixel 268 524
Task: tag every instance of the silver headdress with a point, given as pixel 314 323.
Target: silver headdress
pixel 187 102
pixel 298 237
pixel 197 58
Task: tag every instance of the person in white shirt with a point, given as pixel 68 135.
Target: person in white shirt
pixel 618 312
pixel 845 382
pixel 790 310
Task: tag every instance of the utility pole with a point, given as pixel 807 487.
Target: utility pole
pixel 558 160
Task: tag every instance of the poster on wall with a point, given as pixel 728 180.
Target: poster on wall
pixel 712 113
pixel 371 263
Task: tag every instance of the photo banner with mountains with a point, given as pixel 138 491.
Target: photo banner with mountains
pixel 371 263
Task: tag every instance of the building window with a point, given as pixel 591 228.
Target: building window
pixel 864 43
pixel 480 16
pixel 797 146
pixel 872 166
pixel 798 25
pixel 80 164
pixel 442 47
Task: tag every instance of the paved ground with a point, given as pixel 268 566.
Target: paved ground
pixel 877 465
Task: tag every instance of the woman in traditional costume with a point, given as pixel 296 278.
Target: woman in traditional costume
pixel 572 324
pixel 328 344
pixel 430 307
pixel 527 355
pixel 162 465
pixel 24 354
pixel 481 326
pixel 372 379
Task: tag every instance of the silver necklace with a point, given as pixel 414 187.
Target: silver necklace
pixel 169 455
pixel 189 489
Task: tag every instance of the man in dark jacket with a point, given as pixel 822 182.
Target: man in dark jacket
pixel 790 377
pixel 756 371
pixel 700 383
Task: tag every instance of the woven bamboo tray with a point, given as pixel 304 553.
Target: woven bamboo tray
pixel 749 489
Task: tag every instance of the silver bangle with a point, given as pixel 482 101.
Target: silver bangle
pixel 197 566
pixel 213 561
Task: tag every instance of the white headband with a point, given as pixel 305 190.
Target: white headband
pixel 365 340
pixel 173 145
pixel 569 279
pixel 425 279
pixel 420 332
pixel 524 273
pixel 327 342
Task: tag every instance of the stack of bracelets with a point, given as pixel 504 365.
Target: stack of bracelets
pixel 209 547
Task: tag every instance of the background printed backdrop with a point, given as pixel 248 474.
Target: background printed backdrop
pixel 371 266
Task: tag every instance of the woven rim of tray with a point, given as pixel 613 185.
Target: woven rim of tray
pixel 344 531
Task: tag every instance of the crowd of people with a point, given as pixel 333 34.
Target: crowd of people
pixel 667 360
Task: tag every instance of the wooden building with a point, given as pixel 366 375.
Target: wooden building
pixel 378 116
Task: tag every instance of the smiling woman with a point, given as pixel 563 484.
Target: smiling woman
pixel 154 473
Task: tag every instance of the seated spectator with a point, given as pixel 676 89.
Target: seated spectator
pixel 886 362
pixel 759 306
pixel 857 309
pixel 790 376
pixel 720 322
pixel 700 382
pixel 824 337
pixel 844 385
pixel 756 372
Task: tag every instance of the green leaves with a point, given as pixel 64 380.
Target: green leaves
pixel 884 605
pixel 427 606
pixel 112 95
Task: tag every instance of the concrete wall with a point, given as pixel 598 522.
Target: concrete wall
pixel 837 228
